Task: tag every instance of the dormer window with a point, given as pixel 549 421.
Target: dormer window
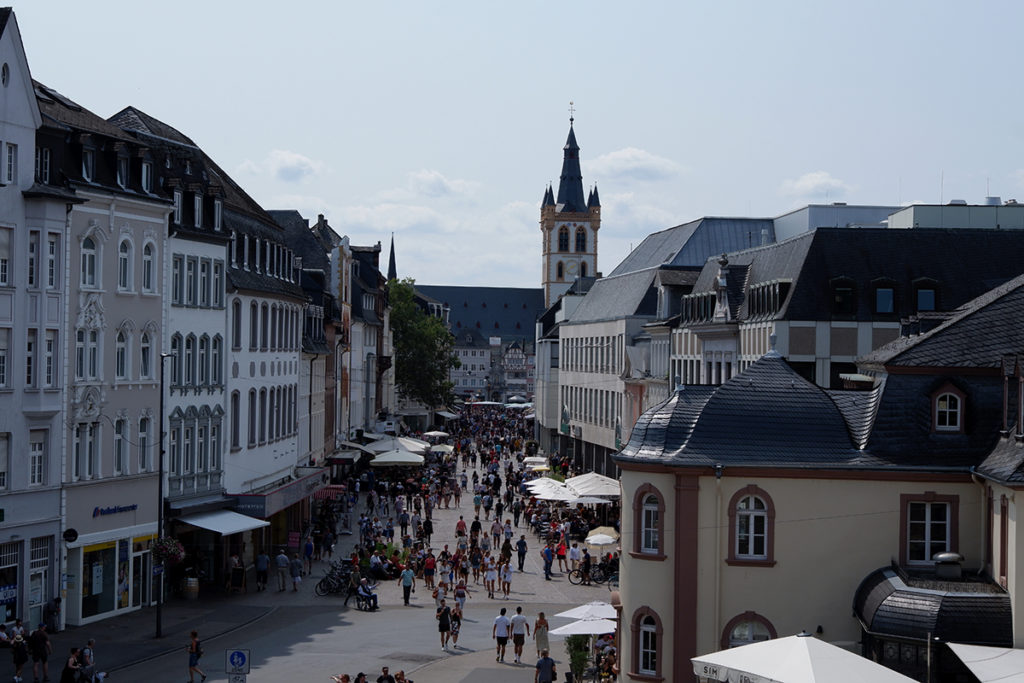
pixel 844 296
pixel 948 404
pixel 147 176
pixel 885 300
pixel 88 164
pixel 218 211
pixel 122 171
pixel 188 167
pixel 197 203
pixel 177 206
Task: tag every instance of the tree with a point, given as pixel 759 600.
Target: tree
pixel 424 348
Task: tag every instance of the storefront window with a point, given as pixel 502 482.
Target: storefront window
pixel 8 582
pixel 99 575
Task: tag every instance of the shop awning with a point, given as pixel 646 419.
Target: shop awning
pixel 224 522
pixel 331 492
pixel 447 415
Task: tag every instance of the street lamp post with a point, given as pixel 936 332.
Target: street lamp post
pixel 160 500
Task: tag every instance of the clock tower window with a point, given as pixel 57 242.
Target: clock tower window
pixel 581 239
pixel 583 269
pixel 563 239
pixel 560 271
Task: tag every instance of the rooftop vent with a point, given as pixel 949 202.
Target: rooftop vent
pixel 957 202
pixel 993 201
pixel 947 565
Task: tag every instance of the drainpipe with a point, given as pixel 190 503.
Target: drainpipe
pixel 718 547
pixel 309 411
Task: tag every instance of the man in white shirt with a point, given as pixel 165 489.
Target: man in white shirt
pixel 574 556
pixel 520 630
pixel 500 632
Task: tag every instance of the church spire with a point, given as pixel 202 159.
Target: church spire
pixel 392 270
pixel 570 185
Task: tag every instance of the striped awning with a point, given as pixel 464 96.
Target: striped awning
pixel 331 492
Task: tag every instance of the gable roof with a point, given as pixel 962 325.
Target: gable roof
pixel 506 312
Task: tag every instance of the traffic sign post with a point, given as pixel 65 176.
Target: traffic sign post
pixel 236 663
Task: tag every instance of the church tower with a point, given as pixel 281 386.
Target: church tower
pixel 569 226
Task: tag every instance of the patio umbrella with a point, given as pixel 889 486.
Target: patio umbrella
pixel 535 460
pixel 401 442
pixel 442 448
pixel 540 468
pixel 516 399
pixel 553 494
pixel 795 659
pixel 585 627
pixel 606 530
pixel 597 609
pixel 435 434
pixel 397 458
pixel 594 484
pixel 589 500
pixel 1002 664
pixel 595 539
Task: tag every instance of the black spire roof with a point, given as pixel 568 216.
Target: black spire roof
pixel 593 200
pixel 570 186
pixel 549 197
pixel 392 270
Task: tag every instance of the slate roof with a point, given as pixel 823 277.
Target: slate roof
pixel 977 335
pixel 301 239
pixel 570 184
pixel 965 611
pixel 619 296
pixel 768 415
pixel 1005 462
pixel 508 312
pixel 61 109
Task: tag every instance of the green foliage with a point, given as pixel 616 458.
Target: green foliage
pixel 578 649
pixel 424 348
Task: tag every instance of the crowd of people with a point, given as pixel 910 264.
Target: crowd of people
pixel 480 556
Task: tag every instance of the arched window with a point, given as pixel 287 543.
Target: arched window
pixel 236 434
pixel 560 271
pixel 647 634
pixel 215 446
pixel 203 376
pixel 264 327
pixel 145 357
pixel 88 262
pixel 583 268
pixel 263 415
pixel 121 357
pixel 948 405
pixel 202 447
pixel 273 327
pixel 581 239
pixel 252 417
pixel 144 444
pixel 563 239
pixel 236 324
pixel 217 361
pixel 148 283
pixel 254 326
pixel 274 411
pixel 124 266
pixel 190 361
pixel 176 360
pixel 189 450
pixel 751 528
pixel 648 523
pixel 120 442
pixel 746 628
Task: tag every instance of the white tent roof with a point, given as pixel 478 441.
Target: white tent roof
pixel 795 659
pixel 594 484
pixel 401 442
pixel 224 522
pixel 585 627
pixel 397 458
pixel 1002 664
pixel 597 609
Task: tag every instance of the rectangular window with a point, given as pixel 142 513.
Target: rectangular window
pixel 49 359
pixel 5 351
pixel 218 214
pixel 197 204
pixel 926 300
pixel 43 165
pixel 86 449
pixel 143 444
pixel 147 176
pixel 5 458
pixel 12 163
pixel 37 458
pixel 88 164
pixel 119 446
pixel 5 257
pixel 190 282
pixel 52 250
pixel 178 264
pixel 928 530
pixel 93 353
pixel 884 300
pixel 218 284
pixel 214 448
pixel 122 171
pixel 204 283
pixel 177 206
pixel 33 259
pixel 31 346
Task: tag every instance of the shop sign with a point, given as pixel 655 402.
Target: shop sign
pixel 114 509
pixel 267 504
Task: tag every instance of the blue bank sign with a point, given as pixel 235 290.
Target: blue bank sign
pixel 114 509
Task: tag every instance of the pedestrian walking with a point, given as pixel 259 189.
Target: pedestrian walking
pixel 540 633
pixel 307 557
pixel 195 653
pixel 407 580
pixel 72 668
pixel 545 672
pixel 444 623
pixel 385 677
pixel 295 569
pixel 19 655
pixel 461 593
pixel 506 578
pixel 456 626
pixel 520 630
pixel 262 567
pixel 499 632
pixel 281 561
pixel 87 674
pixel 39 648
pixel 521 550
pixel 548 556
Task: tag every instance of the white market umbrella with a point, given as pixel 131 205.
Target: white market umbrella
pixel 535 460
pixel 435 434
pixel 599 539
pixel 484 403
pixel 397 458
pixel 585 627
pixel 989 664
pixel 594 484
pixel 598 609
pixel 589 500
pixel 401 442
pixel 442 448
pixel 540 468
pixel 516 399
pixel 554 495
pixel 795 659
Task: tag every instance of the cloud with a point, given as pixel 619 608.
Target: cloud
pixel 632 163
pixel 284 165
pixel 429 184
pixel 815 183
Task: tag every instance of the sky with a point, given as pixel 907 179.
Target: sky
pixel 441 123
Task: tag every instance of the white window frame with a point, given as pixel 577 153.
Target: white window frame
pixel 147 176
pixel 649 539
pixel 122 171
pixel 11 173
pixel 5 461
pixel 145 356
pixel 90 252
pixel 218 215
pixel 50 351
pixel 121 362
pixel 37 458
pixel 953 408
pixel 197 206
pixel 177 206
pixel 189 375
pixel 124 266
pixel 144 441
pixel 203 371
pixel 31 361
pixel 927 526
pixel 178 279
pixel 218 284
pixel 6 239
pixel 120 446
pixel 88 163
pixel 647 654
pixel 204 283
pixel 217 361
pixel 32 269
pixel 52 256
pixel 148 253
pixel 748 517
pixel 190 281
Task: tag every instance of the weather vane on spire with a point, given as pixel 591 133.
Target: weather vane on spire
pixel 572 111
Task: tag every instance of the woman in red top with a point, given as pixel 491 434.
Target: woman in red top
pixel 560 552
